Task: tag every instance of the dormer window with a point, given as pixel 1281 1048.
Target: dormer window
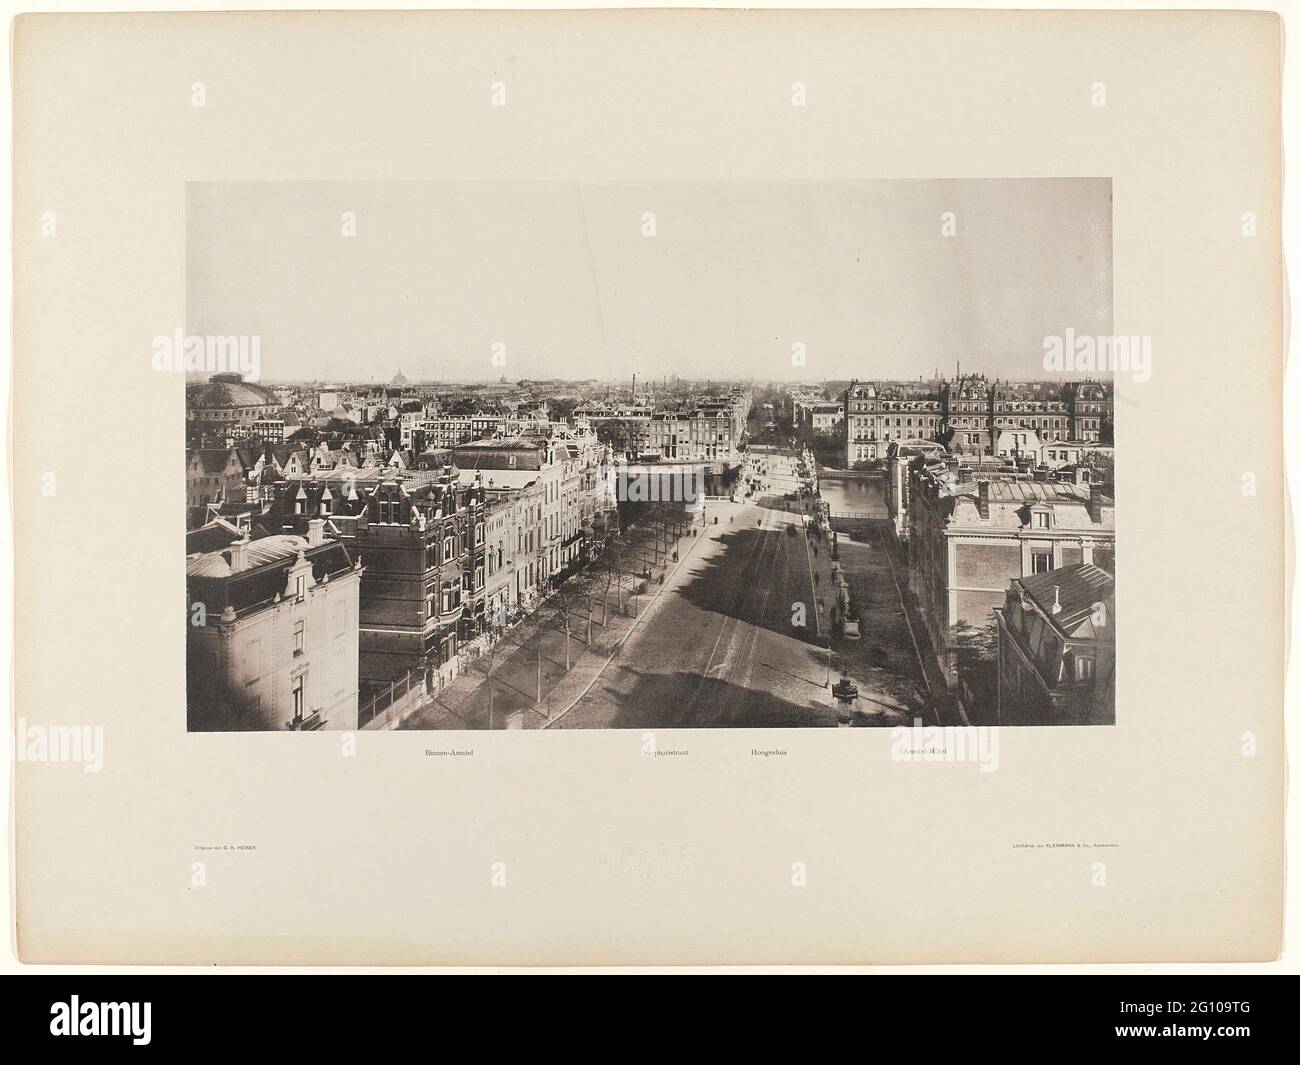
pixel 1042 519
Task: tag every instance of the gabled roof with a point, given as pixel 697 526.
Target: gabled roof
pixel 213 459
pixel 1076 588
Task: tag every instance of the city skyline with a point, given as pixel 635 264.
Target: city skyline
pixel 976 370
pixel 890 480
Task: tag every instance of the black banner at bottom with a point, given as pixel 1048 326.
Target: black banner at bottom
pixel 334 1012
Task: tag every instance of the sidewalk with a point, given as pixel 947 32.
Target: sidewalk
pixel 463 704
pixel 893 659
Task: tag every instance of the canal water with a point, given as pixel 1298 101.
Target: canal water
pixel 850 493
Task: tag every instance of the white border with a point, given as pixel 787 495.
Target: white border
pixel 1290 959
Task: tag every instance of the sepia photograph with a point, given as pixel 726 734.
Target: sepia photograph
pixel 650 498
pixel 587 456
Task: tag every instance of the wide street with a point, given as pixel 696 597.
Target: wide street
pixel 729 639
pixel 718 647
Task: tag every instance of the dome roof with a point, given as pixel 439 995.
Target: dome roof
pixel 231 390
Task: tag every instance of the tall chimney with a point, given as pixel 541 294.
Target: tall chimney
pixel 239 555
pixel 315 532
pixel 983 502
pixel 1094 503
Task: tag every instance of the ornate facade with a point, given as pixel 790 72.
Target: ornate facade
pixel 969 415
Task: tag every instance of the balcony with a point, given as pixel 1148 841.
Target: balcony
pixel 311 723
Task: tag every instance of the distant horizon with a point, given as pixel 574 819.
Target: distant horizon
pixel 1057 379
pixel 890 279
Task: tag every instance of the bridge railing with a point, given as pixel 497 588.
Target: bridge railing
pixel 880 514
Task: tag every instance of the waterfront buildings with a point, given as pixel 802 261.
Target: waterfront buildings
pixel 973 415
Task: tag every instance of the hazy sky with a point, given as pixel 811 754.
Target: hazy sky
pixel 560 273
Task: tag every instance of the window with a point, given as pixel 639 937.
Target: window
pixel 299 698
pixel 300 588
pixel 1042 519
pixel 1042 562
pixel 448 548
pixel 1085 669
pixel 299 637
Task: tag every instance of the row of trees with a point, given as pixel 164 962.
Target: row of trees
pixel 624 563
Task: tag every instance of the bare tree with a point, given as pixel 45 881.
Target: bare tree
pixel 582 589
pixel 569 601
pixel 526 637
pixel 612 570
pixel 493 640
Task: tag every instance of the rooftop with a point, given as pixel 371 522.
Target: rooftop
pixel 228 390
pixel 268 549
pixel 1077 589
pixel 1025 490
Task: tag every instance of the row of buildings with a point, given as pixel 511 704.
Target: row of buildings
pixel 227 410
pixel 706 428
pixel 815 414
pixel 973 415
pixel 321 577
pixel 1012 565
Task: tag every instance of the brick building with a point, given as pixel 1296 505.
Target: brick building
pixel 413 534
pixel 973 530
